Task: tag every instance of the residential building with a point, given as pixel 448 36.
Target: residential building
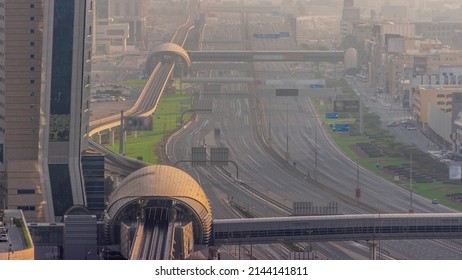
pixel 438 96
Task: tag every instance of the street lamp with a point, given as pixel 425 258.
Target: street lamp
pixel 315 170
pixel 316 150
pixel 269 119
pixel 411 209
pixel 287 132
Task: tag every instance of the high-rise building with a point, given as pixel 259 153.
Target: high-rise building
pixel 46 56
pixel 134 13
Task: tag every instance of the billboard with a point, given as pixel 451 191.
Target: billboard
pixel 420 65
pixel 138 123
pixel 347 106
pixel 455 172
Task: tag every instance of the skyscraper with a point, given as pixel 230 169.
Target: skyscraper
pixel 46 57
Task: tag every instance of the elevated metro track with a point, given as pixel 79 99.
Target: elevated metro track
pixel 146 103
pixel 267 56
pixel 254 9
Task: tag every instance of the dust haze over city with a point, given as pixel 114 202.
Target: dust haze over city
pixel 230 130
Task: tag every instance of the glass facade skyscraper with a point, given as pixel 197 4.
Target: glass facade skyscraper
pixel 47 88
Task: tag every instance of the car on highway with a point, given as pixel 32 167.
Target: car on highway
pixel 3 234
pixel 392 124
pixel 435 201
pixel 411 127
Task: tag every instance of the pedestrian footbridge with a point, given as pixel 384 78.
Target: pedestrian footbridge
pixel 338 228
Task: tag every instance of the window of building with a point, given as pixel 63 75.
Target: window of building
pixel 32 44
pixel 32 31
pixel 32 68
pixel 32 55
pixel 32 81
pixel 440 95
pixel 26 191
pixel 32 6
pixel 32 18
pixel 32 93
pixel 32 106
pixel 440 103
pixel 26 208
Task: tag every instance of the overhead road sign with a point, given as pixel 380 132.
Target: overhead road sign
pixel 199 156
pixel 286 92
pixel 219 156
pixel 347 106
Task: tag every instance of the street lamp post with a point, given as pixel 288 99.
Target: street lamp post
pixel 269 119
pixel 316 150
pixel 411 209
pixel 287 132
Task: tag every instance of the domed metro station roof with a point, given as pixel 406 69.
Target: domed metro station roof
pixel 161 182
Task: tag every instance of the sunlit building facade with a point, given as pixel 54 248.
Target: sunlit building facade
pixel 47 76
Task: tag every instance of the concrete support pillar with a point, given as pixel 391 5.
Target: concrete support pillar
pixel 372 249
pixel 98 138
pixel 111 137
pixel 115 179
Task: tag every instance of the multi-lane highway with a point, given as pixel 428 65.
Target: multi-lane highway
pixel 270 183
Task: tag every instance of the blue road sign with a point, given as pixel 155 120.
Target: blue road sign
pixel 340 127
pixel 332 115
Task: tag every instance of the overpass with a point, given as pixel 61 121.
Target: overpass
pixel 267 56
pixel 237 8
pixel 368 227
pixel 223 66
pixel 338 228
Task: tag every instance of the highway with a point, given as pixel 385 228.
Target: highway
pixel 243 119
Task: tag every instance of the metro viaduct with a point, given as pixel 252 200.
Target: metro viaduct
pixel 256 9
pixel 167 50
pixel 268 56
